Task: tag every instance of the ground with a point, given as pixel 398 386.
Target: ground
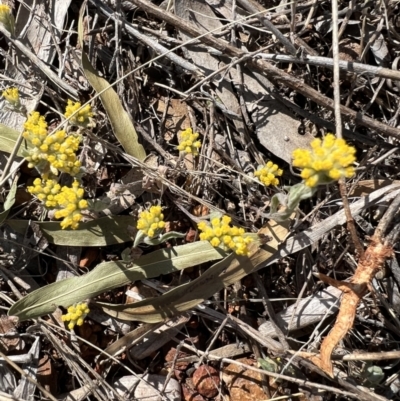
pixel 176 220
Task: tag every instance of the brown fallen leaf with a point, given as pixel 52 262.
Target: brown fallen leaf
pixel 206 381
pixel 243 384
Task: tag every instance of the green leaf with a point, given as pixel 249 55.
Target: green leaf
pixel 162 238
pixel 299 192
pixel 140 236
pixel 109 275
pixel 188 296
pixel 9 202
pixel 121 123
pixel 8 137
pixel 268 364
pixel 101 232
pixel 372 374
pixel 291 201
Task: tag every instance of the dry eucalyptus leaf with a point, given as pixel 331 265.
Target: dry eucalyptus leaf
pixel 132 388
pixel 177 117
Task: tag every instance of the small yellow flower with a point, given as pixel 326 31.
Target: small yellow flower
pixel 189 142
pixel 151 222
pixel 58 149
pixel 221 234
pixel 327 161
pixel 70 204
pixel 61 152
pixel 76 314
pixel 82 118
pixel 267 174
pixel 35 128
pixel 46 192
pixel 12 97
pixel 67 202
pixel 7 18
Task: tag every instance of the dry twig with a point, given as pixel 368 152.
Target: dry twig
pixel 373 260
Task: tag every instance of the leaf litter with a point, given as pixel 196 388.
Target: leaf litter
pixel 249 106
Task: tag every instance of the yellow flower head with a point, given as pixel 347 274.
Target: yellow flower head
pixel 189 142
pixel 35 128
pixel 267 174
pixel 46 192
pixel 76 314
pixel 12 97
pixel 6 18
pixel 82 118
pixel 67 202
pixel 58 149
pixel 221 234
pixel 327 161
pixel 70 204
pixel 151 221
pixel 61 150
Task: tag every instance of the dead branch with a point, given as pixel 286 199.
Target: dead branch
pixel 346 66
pixel 379 249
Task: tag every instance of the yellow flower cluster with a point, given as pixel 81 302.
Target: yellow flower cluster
pixel 327 161
pixel 267 174
pixel 6 18
pixel 67 202
pixel 151 221
pixel 58 149
pixel 70 205
pixel 62 150
pixel 12 96
pixel 189 142
pixel 35 128
pixel 46 191
pixel 221 234
pixel 82 118
pixel 76 315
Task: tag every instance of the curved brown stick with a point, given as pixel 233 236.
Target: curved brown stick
pixel 372 261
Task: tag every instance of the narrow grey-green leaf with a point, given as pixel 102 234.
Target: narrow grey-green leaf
pixel 8 137
pixel 9 202
pixel 121 123
pixel 101 232
pixel 163 238
pixel 189 295
pixel 109 275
